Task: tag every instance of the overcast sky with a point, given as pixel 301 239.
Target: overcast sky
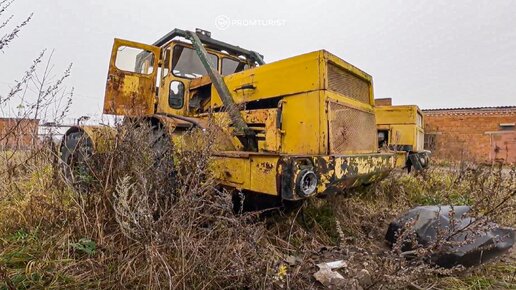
pixel 431 53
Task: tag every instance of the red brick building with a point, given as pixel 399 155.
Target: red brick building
pixel 16 133
pixel 485 134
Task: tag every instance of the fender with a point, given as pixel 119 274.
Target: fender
pixel 101 137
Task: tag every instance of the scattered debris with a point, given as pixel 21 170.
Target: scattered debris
pixel 292 260
pixel 465 240
pixel 364 277
pixel 328 277
pixel 332 265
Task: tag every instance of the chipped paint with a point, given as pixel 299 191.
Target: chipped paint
pixel 335 173
pixel 130 93
pixel 265 167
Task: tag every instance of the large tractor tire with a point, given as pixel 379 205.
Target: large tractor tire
pixel 76 153
pixel 161 144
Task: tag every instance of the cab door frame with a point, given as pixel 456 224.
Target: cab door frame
pixel 166 79
pixel 129 92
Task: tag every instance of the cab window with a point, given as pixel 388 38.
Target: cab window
pixel 230 66
pixel 135 60
pixel 186 63
pixel 176 94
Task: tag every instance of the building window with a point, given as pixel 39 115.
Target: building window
pixel 507 126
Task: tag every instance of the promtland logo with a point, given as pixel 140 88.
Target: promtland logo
pixel 223 22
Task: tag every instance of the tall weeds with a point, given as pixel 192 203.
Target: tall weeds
pixel 150 215
pixel 158 220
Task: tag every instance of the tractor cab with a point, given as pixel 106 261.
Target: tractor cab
pixel 169 77
pixel 182 76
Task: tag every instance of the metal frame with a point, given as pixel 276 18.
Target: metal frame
pixel 242 131
pixel 201 39
pixel 205 38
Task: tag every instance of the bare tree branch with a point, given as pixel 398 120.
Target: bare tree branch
pixel 6 39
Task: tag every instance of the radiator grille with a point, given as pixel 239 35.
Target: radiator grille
pixel 347 84
pixel 351 130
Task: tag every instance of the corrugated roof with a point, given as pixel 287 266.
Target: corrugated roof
pixel 472 108
pixel 485 111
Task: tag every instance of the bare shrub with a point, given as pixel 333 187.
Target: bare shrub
pixel 13 32
pixel 160 220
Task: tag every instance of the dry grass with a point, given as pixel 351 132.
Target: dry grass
pixel 139 226
pixel 353 228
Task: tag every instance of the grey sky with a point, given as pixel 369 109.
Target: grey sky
pixel 430 53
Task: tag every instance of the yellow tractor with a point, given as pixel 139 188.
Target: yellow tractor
pixel 401 130
pixel 297 127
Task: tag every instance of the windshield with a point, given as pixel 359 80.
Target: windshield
pixel 186 63
pixel 230 66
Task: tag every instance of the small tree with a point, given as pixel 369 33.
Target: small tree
pixel 38 94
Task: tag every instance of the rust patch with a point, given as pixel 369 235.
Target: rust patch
pixel 200 82
pixel 265 167
pixel 130 93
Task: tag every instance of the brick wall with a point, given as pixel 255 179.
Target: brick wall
pixel 471 134
pixel 18 133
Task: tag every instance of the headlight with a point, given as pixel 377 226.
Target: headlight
pixel 306 183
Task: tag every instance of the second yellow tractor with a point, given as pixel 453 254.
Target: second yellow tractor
pixel 401 130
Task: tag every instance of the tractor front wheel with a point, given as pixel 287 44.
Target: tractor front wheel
pixel 76 153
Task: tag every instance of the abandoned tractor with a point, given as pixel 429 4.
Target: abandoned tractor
pixel 401 130
pixel 297 127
